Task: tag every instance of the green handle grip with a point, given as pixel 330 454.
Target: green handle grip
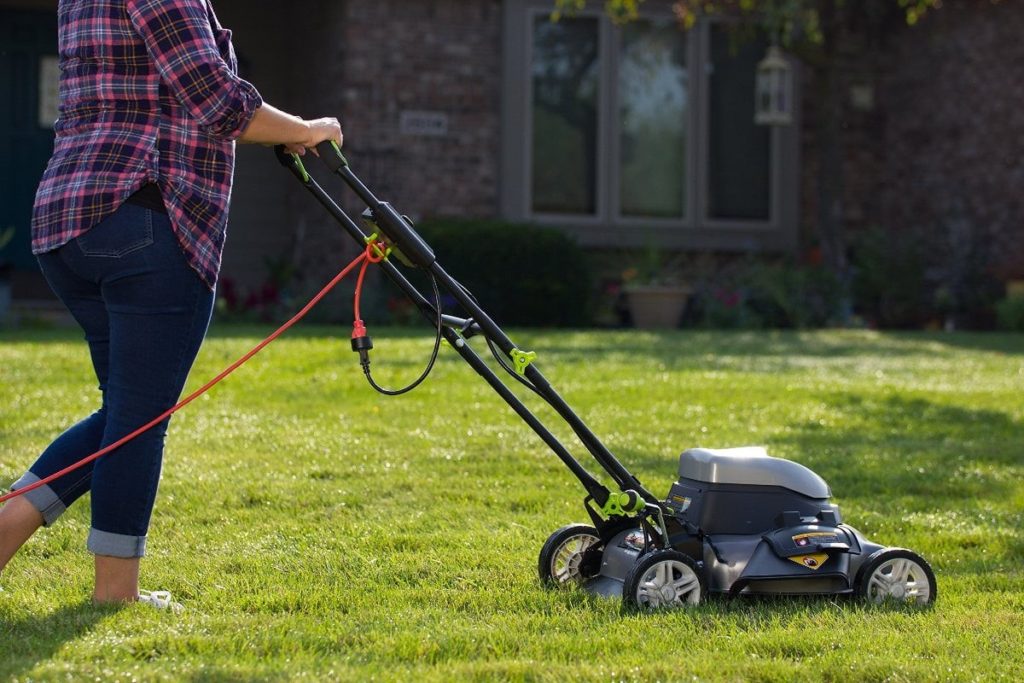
pixel 293 163
pixel 331 154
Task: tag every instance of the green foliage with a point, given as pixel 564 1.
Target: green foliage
pixel 787 295
pixel 618 10
pixel 768 295
pixel 1010 313
pixel 889 286
pixel 793 20
pixel 909 278
pixel 915 9
pixel 522 274
pixel 269 301
pixel 316 531
pixel 653 265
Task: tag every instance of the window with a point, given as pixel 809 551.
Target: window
pixel 628 134
pixel 566 80
pixel 653 85
pixel 739 151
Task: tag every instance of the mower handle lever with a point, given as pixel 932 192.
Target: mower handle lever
pixel 466 326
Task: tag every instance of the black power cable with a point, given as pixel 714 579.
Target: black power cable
pixel 364 356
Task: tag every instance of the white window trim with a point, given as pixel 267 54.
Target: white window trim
pixel 695 230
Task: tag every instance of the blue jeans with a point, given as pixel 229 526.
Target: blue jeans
pixel 145 313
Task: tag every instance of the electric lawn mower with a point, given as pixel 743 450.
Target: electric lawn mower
pixel 736 522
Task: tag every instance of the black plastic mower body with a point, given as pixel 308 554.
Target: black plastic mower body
pixel 745 536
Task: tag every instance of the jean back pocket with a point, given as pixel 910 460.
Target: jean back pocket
pixel 128 229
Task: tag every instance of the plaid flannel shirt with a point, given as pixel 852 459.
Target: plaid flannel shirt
pixel 149 93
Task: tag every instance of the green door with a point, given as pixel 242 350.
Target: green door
pixel 28 49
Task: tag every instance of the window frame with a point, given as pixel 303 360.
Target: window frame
pixel 608 227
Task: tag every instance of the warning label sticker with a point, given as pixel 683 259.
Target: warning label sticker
pixel 811 561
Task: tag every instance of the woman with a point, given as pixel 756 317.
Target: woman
pixel 128 226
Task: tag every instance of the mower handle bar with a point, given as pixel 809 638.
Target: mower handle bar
pixel 399 231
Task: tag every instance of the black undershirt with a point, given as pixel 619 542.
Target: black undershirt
pixel 149 197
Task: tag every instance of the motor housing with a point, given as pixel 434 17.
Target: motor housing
pixel 746 491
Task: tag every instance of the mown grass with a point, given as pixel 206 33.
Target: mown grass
pixel 316 530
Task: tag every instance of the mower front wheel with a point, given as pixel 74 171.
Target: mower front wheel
pixel 664 579
pixel 562 557
pixel 896 574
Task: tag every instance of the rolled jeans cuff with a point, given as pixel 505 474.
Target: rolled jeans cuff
pixel 115 545
pixel 44 499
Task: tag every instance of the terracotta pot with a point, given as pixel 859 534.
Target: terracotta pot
pixel 657 306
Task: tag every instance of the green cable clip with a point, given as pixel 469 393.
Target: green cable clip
pixel 372 241
pixel 301 167
pixel 522 360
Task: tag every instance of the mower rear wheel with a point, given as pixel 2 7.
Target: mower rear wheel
pixel 896 574
pixel 563 553
pixel 664 579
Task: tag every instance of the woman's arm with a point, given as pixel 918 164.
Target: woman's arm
pixel 178 37
pixel 271 126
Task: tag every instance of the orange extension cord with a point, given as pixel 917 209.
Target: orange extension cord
pixel 372 254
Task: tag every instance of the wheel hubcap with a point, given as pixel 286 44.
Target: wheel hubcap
pixel 669 584
pixel 899 579
pixel 565 564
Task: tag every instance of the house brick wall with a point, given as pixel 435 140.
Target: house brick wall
pixel 953 135
pixel 367 63
pixel 940 150
pixel 440 56
pixel 859 63
pixel 937 148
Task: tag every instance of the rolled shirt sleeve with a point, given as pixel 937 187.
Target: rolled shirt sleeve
pixel 179 37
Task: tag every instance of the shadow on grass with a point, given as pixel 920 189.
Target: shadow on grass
pixel 664 344
pixel 912 446
pixel 679 349
pixel 33 640
pixel 1002 342
pixel 800 607
pixel 752 609
pixel 896 445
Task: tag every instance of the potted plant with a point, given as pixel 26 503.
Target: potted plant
pixel 655 292
pixel 5 274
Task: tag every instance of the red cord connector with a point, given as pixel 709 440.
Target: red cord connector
pixel 358 331
pixel 361 342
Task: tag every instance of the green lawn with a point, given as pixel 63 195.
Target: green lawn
pixel 318 531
